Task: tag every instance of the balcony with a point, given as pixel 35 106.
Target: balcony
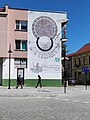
pixel 64 39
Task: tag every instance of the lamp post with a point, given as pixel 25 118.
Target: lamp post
pixel 9 64
pixel 64 65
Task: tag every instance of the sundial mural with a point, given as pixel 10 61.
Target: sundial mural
pixel 46 44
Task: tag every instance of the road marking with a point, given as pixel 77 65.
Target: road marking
pixel 75 100
pixel 47 97
pixel 56 98
pixel 65 99
pixel 39 97
pixel 85 102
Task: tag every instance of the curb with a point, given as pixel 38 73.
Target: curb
pixel 43 92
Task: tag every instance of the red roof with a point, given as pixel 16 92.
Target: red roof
pixel 69 55
pixel 83 49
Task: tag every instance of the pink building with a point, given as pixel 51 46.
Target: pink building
pixel 19 29
pixel 13 32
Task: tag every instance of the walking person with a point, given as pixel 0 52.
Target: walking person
pixel 39 81
pixel 19 82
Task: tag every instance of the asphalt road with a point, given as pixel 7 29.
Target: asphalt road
pixel 72 107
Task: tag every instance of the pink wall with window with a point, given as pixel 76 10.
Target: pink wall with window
pixel 13 34
pixel 8 32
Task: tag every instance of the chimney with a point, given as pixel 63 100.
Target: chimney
pixel 6 8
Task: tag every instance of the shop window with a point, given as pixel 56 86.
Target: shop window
pixel 21 25
pixel 20 62
pixel 21 44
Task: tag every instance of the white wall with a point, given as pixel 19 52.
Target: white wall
pixel 13 71
pixel 50 67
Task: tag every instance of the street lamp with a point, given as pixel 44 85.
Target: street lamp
pixel 64 65
pixel 9 64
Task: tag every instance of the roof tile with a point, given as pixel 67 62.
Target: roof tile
pixel 83 49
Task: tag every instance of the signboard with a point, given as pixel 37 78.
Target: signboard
pixel 85 69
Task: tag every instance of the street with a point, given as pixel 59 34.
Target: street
pixel 64 107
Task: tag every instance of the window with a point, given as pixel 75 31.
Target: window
pixel 21 25
pixel 17 24
pixel 20 62
pixel 24 45
pixel 79 62
pixel 76 61
pixel 18 44
pixel 21 44
pixel 84 61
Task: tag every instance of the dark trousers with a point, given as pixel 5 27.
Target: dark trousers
pixel 19 83
pixel 39 82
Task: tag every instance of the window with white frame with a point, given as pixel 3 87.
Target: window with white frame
pixel 21 44
pixel 21 25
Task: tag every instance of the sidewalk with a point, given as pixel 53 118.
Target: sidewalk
pixel 44 91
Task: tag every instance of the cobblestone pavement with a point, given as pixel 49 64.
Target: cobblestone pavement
pixel 45 91
pixel 43 108
pixel 45 104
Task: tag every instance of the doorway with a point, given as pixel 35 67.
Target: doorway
pixel 20 71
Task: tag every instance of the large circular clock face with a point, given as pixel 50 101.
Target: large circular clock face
pixel 45 45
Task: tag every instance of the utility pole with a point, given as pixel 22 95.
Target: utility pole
pixel 63 40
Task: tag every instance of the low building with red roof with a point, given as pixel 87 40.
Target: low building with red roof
pixel 77 61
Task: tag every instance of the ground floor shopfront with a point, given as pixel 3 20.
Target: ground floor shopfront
pixel 29 73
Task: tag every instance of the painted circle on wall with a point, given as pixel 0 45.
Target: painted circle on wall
pixel 46 44
pixel 44 26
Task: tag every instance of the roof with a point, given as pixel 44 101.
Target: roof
pixel 70 55
pixel 51 11
pixel 83 49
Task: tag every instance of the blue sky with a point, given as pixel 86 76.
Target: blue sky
pixel 78 31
